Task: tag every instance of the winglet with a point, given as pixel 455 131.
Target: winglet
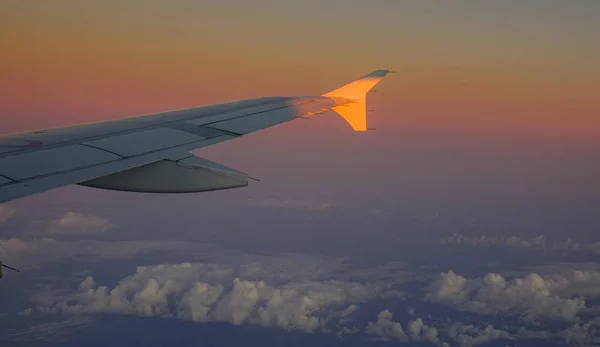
pixel 351 101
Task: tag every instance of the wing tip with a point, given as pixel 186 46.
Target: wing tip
pixel 351 99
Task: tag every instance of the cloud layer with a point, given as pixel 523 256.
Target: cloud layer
pixel 205 283
pixel 539 242
pixel 310 293
pixel 36 252
pixel 559 296
pixel 202 293
pixel 77 224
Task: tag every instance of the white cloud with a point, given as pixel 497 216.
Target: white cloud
pixel 467 335
pixel 422 332
pixel 201 292
pixel 6 213
pixel 76 223
pixel 386 329
pixel 482 240
pixel 582 334
pixel 287 204
pixel 470 335
pixel 540 242
pixel 532 297
pixel 576 283
pixel 28 253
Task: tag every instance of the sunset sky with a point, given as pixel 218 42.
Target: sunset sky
pixel 484 164
pixel 508 68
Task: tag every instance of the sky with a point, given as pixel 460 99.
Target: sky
pixel 468 217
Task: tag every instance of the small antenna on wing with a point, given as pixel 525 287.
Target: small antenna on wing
pixel 8 267
pixel 254 179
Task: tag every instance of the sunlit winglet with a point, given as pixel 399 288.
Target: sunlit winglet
pixel 351 101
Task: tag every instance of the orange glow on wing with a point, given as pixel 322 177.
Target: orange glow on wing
pixel 351 99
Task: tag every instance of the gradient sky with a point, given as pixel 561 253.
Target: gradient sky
pixel 509 68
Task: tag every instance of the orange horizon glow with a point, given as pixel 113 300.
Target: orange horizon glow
pixel 65 63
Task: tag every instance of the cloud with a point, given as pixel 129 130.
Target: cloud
pixel 27 253
pixel 470 335
pixel 386 329
pixel 313 293
pixel 582 334
pixel 287 204
pixel 422 332
pixel 274 267
pixel 576 283
pixel 482 240
pixel 540 242
pixel 202 293
pixel 76 224
pixel 6 213
pixel 531 297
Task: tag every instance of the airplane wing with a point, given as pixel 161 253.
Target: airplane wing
pixel 151 153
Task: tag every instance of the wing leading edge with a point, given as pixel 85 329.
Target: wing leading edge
pixel 151 153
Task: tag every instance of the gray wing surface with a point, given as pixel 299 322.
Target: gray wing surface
pixel 143 154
